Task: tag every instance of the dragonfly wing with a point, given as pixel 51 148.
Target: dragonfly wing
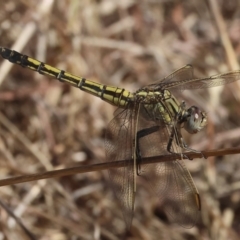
pixel 173 184
pixel 184 73
pixel 202 83
pixel 170 180
pixel 119 146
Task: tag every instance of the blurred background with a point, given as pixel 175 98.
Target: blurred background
pixel 46 125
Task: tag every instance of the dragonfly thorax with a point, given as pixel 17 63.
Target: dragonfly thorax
pixel 194 120
pixel 145 96
pixel 158 105
pixel 149 97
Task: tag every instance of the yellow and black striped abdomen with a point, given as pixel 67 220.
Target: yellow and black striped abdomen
pixel 116 96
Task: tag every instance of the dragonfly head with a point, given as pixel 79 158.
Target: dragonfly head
pixel 195 120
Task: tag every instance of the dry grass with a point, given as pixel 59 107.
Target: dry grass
pixel 46 125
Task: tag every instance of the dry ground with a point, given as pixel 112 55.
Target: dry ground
pixel 47 125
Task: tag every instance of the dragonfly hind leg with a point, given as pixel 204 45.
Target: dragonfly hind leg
pixel 140 134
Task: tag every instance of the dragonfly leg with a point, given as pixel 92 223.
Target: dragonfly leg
pixel 169 146
pixel 185 146
pixel 180 142
pixel 140 134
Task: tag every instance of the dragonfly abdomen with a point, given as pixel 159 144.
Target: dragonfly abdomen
pixel 116 96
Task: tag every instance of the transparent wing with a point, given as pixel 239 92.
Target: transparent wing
pixel 170 180
pixel 201 83
pixel 182 79
pixel 119 146
pixel 184 73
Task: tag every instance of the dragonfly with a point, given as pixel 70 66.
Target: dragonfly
pixel 147 123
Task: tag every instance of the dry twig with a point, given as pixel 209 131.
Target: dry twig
pixel 117 164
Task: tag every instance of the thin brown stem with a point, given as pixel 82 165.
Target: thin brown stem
pixel 116 164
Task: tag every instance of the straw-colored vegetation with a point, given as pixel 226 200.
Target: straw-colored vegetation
pixel 46 125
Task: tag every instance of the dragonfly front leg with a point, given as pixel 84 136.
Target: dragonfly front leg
pixel 140 134
pixel 176 133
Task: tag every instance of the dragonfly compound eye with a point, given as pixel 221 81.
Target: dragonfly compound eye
pixel 195 121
